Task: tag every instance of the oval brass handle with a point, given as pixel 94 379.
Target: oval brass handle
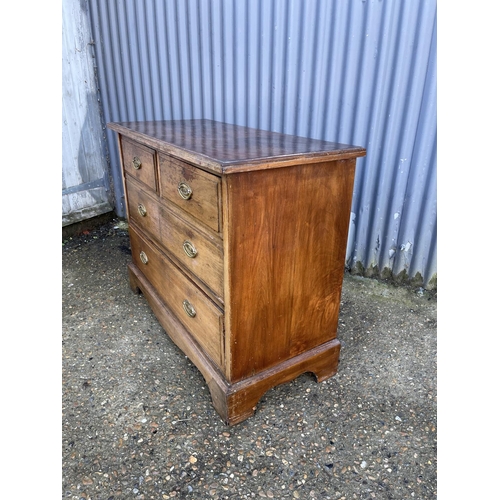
pixel 143 257
pixel 189 309
pixel 142 210
pixel 189 249
pixel 184 190
pixel 136 162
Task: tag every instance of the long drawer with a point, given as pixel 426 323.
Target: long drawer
pixel 201 317
pixel 200 252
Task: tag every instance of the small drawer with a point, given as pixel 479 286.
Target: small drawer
pixel 143 209
pixel 190 188
pixel 197 252
pixel 201 317
pixel 139 162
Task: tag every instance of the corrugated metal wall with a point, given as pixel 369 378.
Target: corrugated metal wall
pixel 360 72
pixel 85 179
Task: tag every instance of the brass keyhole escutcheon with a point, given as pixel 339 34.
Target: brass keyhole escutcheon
pixel 143 257
pixel 184 190
pixel 142 210
pixel 136 162
pixel 189 309
pixel 189 249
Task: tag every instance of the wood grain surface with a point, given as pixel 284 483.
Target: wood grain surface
pixel 225 148
pixel 285 245
pixel 204 200
pixel 146 173
pixel 207 265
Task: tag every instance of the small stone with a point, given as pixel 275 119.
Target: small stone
pixel 193 459
pixel 296 494
pixel 363 464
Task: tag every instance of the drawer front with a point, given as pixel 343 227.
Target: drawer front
pixel 190 188
pixel 139 162
pixel 196 252
pixel 143 209
pixel 201 317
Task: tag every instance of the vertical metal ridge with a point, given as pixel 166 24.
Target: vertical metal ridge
pixel 265 78
pixel 205 51
pixel 216 40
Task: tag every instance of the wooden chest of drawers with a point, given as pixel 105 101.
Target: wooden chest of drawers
pixel 238 241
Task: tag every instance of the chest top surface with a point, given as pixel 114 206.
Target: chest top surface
pixel 227 148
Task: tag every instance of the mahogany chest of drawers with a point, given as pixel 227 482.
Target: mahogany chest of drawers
pixel 238 241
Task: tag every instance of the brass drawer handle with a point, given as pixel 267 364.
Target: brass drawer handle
pixel 143 257
pixel 189 309
pixel 142 210
pixel 184 190
pixel 189 249
pixel 136 162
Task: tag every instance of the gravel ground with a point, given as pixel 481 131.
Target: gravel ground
pixel 137 418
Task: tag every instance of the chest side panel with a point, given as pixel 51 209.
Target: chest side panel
pixel 285 249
